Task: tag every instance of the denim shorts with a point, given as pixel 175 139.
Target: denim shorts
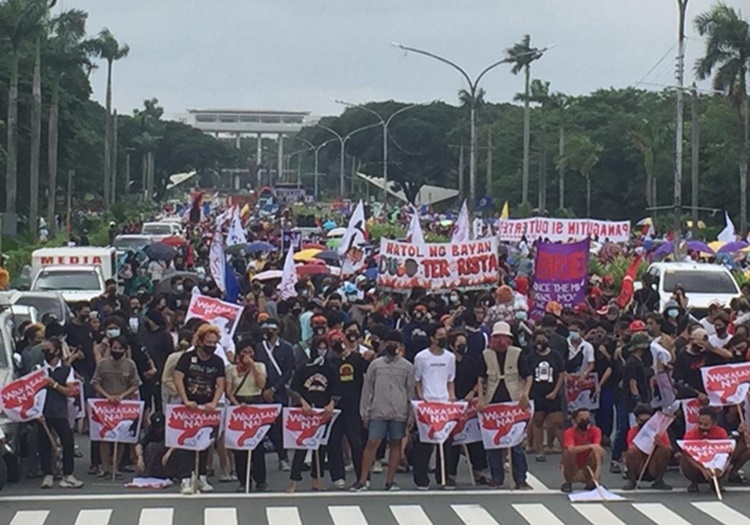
pixel 386 429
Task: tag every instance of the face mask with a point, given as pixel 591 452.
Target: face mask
pixel 113 333
pixel 50 356
pixel 319 330
pixel 672 313
pixel 375 345
pixel 540 347
pixel 352 337
pixel 454 299
pixel 83 318
pixel 418 316
pixel 442 342
pixel 180 288
pixel 521 316
pixel 462 349
pixel 337 347
pixel 574 336
pixel 267 334
pixel 391 350
pixel 296 311
pixel 322 351
pixel 117 355
pixel 583 425
pixel 209 349
pixel 721 330
pixel 335 307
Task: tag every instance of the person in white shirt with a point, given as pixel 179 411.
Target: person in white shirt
pixel 434 372
pixel 707 323
pixel 721 336
pixel 662 345
pixel 580 352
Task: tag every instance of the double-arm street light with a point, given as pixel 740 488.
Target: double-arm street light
pixel 343 140
pixel 473 91
pixel 316 149
pixel 385 123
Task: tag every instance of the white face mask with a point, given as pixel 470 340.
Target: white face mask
pixel 113 333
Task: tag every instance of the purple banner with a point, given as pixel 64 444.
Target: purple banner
pixel 560 275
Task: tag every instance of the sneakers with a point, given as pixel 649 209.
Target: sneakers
pixel 203 485
pixel 358 487
pixel 48 482
pixel 70 482
pixel 340 484
pixel 567 488
pixel 261 487
pixel 377 467
pixel 284 465
pixel 524 485
pixel 186 486
pixel 423 488
pixel 630 485
pixel 450 484
pixel 590 486
pixel 392 487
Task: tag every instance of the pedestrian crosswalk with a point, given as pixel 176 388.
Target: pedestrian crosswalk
pixel 556 512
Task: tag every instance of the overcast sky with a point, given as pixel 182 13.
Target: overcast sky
pixel 303 54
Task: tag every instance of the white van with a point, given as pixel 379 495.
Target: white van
pixel 702 282
pixel 160 230
pixel 78 273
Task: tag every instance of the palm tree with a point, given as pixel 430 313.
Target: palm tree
pixel 560 104
pixel 728 53
pixel 20 22
pixel 581 156
pixel 67 50
pixel 521 55
pixel 539 94
pixel 152 130
pixel 649 139
pixel 108 48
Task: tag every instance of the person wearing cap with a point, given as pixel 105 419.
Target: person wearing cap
pixel 278 357
pixel 153 458
pixel 696 355
pixel 662 346
pixel 635 375
pixel 501 382
pixel 636 459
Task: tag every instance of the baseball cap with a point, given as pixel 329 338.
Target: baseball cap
pixel 637 326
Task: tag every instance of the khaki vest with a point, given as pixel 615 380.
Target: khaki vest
pixel 511 376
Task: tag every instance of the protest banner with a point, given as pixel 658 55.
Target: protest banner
pixel 653 429
pixel 664 393
pixel 713 454
pixel 224 316
pixel 307 431
pixel 726 384
pixel 245 426
pixel 580 391
pixel 437 420
pixel 23 400
pixel 503 425
pixel 560 274
pixel 437 267
pixel 191 428
pixel 467 430
pixel 690 410
pixel 562 230
pixel 120 423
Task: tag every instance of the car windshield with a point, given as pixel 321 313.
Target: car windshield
pixel 700 282
pixel 128 244
pixel 43 305
pixel 67 281
pixel 157 229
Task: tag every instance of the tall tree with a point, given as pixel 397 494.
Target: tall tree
pixel 560 104
pixel 20 22
pixel 728 54
pixel 539 94
pixel 521 55
pixel 67 50
pixel 649 140
pixel 109 49
pixel 582 155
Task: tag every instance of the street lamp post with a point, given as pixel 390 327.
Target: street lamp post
pixel 473 90
pixel 317 153
pixel 343 140
pixel 385 123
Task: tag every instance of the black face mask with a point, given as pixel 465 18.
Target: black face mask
pixel 337 347
pixel 209 349
pixel 117 355
pixel 540 347
pixel 296 311
pixel 583 425
pixel 267 334
pixel 319 330
pixel 375 345
pixel 462 349
pixel 50 356
pixel 442 342
pixel 391 350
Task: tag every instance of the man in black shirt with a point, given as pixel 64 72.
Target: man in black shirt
pixel 690 360
pixel 635 381
pixel 80 342
pixel 200 379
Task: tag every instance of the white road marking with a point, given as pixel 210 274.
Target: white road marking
pixel 537 484
pixel 474 515
pixel 537 514
pixel 156 517
pixel 410 515
pixel 660 514
pixel 282 516
pixel 223 516
pixel 597 513
pixel 93 517
pixel 29 517
pixel 722 513
pixel 347 515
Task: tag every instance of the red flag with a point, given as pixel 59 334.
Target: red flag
pixel 627 290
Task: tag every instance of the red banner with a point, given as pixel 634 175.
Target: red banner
pixel 245 426
pixel 503 425
pixel 112 422
pixel 690 410
pixel 436 421
pixel 726 384
pixel 713 454
pixel 467 430
pixel 191 428
pixel 307 431
pixel 23 400
pixel 581 391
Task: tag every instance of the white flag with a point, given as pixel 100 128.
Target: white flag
pixel 288 285
pixel 217 261
pixel 728 234
pixel 236 233
pixel 353 242
pixel 414 235
pixel 462 229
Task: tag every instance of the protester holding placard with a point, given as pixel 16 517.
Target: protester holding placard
pixel 200 381
pixel 245 382
pixel 655 462
pixel 60 387
pixel 115 379
pixel 707 429
pixel 582 452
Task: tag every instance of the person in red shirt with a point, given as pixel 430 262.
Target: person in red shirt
pixel 582 452
pixel 635 458
pixel 706 429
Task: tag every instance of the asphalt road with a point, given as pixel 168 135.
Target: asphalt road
pixel 108 503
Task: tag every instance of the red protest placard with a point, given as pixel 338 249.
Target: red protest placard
pixel 503 425
pixel 191 428
pixel 23 400
pixel 436 421
pixel 120 423
pixel 245 426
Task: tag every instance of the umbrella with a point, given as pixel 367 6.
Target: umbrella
pixel 306 255
pixel 174 240
pixel 235 249
pixel 337 232
pixel 646 221
pixel 333 244
pixel 329 225
pixel 160 252
pixel 165 285
pixel 371 273
pixel 268 275
pixel 733 247
pixel 328 255
pixel 259 246
pixel 313 245
pixel 718 245
pixel 668 247
pixel 306 270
